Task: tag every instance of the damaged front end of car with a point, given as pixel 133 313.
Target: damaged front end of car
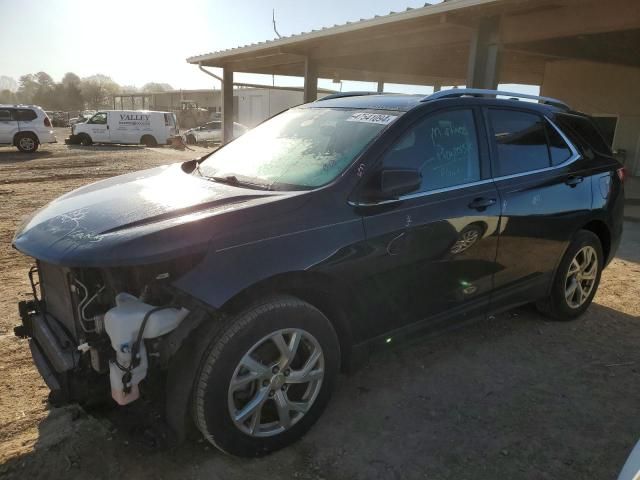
pixel 91 330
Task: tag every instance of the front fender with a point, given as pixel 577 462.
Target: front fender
pixel 228 271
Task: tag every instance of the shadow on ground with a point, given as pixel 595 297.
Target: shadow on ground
pixel 8 156
pixel 630 248
pixel 514 396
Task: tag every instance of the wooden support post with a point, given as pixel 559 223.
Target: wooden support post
pixel 310 81
pixel 227 105
pixel 380 86
pixel 485 55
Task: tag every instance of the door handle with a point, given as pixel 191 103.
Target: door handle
pixel 573 181
pixel 481 204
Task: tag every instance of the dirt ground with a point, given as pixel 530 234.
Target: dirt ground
pixel 513 396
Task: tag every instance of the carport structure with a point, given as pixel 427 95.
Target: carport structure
pixel 583 51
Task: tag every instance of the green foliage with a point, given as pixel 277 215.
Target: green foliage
pixel 7 96
pixel 72 93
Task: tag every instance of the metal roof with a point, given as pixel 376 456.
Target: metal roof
pixel 408 14
pixel 433 44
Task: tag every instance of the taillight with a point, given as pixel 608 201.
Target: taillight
pixel 622 174
pixel 47 122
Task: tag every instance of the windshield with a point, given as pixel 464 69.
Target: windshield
pixel 300 149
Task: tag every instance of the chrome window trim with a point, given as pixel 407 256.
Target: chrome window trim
pixel 411 196
pixel 575 155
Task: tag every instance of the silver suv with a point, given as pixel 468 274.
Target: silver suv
pixel 25 126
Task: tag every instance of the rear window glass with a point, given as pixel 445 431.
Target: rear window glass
pixel 5 115
pixel 558 148
pixel 25 115
pixel 584 130
pixel 521 141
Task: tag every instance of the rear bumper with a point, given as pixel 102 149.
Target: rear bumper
pixel 47 137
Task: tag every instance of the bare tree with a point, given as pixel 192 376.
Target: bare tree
pixel 98 90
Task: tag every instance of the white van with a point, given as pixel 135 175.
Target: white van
pixel 126 126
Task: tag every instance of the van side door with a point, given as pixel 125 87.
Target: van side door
pixel 8 125
pixel 432 251
pixel 545 193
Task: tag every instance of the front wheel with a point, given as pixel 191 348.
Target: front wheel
pixel 266 377
pixel 577 278
pixel 85 140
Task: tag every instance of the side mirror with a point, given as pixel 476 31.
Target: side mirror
pixel 394 182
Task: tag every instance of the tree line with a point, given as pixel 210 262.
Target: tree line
pixel 72 93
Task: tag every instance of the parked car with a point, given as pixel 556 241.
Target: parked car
pixel 125 127
pixel 25 127
pixel 211 132
pixel 253 274
pixel 58 119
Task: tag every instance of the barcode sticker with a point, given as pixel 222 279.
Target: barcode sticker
pixel 379 118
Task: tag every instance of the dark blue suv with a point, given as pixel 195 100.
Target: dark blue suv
pixel 246 279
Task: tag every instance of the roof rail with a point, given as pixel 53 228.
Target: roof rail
pixel 479 92
pixel 346 94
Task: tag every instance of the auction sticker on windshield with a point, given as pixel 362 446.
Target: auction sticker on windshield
pixel 379 118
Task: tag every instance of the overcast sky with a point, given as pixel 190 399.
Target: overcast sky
pixel 140 41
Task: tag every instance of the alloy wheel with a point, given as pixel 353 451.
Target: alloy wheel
pixel 27 143
pixel 581 277
pixel 276 382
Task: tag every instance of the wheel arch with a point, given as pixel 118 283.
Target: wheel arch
pixel 19 134
pixel 150 137
pixel 319 290
pixel 601 230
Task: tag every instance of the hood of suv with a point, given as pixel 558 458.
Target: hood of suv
pixel 136 218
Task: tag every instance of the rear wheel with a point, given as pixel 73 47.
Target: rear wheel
pixel 577 278
pixel 27 142
pixel 149 141
pixel 266 377
pixel 191 140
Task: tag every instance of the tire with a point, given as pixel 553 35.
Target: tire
pixel 191 140
pixel 27 142
pixel 149 141
pixel 561 304
pixel 270 379
pixel 85 140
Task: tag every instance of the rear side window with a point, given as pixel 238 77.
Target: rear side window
pixel 25 115
pixel 443 147
pixel 526 142
pixel 5 115
pixel 521 141
pixel 558 148
pixel 585 130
